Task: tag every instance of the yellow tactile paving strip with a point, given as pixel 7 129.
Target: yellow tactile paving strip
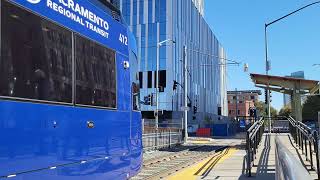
pixel 199 142
pixel 198 170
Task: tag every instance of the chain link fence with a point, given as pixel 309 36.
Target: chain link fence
pixel 169 134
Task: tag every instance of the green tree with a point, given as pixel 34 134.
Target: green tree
pixel 310 108
pixel 285 111
pixel 261 107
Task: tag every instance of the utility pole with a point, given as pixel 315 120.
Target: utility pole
pixel 156 113
pixel 267 72
pixel 266 49
pixel 157 95
pixel 185 60
pixel 185 94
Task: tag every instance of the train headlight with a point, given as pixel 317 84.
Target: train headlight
pixel 126 64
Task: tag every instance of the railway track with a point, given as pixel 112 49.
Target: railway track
pixel 163 166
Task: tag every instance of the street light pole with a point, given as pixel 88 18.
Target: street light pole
pixel 266 51
pixel 267 72
pixel 157 86
pixel 185 94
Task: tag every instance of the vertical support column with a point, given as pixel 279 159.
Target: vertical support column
pixel 157 91
pixel 297 103
pixel 185 94
pixel 248 155
pixel 236 90
pixel 306 147
pixel 310 153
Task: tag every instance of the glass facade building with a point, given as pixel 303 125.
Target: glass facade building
pixel 153 21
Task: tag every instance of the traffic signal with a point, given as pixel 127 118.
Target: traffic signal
pixel 266 96
pixel 175 84
pixel 147 100
pixel 270 96
pixel 152 100
pixel 161 89
pixel 251 112
pixel 195 109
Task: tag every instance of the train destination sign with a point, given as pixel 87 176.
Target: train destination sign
pixel 83 17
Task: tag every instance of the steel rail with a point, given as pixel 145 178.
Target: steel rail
pixel 287 165
pixel 165 166
pixel 307 140
pixel 254 136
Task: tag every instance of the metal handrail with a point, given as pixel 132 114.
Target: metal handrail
pixel 304 137
pixel 254 136
pixel 287 166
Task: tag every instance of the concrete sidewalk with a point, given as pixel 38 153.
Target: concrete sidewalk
pixel 232 165
pixel 264 164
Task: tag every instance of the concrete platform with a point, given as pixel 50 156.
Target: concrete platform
pixel 232 165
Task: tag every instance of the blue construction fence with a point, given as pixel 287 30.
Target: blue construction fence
pixel 227 129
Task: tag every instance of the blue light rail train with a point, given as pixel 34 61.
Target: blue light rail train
pixel 69 92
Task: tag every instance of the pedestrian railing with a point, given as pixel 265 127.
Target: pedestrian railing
pixel 164 138
pixel 254 136
pixel 307 140
pixel 287 166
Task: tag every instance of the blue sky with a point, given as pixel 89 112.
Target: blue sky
pixel 294 43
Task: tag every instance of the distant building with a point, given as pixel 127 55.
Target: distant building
pixel 246 99
pixel 287 97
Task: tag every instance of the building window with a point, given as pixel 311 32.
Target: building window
pixel 96 74
pixel 252 98
pixel 36 57
pixel 230 111
pixel 149 79
pixel 162 78
pixel 238 112
pixel 219 111
pixel 234 97
pixel 240 102
pixel 155 79
pixel 141 79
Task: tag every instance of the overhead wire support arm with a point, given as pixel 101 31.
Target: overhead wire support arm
pixel 216 56
pixel 293 12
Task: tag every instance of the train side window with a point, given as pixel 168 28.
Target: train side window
pixel 36 57
pixel 95 74
pixel 135 80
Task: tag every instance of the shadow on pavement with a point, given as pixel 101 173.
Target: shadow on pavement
pixel 264 172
